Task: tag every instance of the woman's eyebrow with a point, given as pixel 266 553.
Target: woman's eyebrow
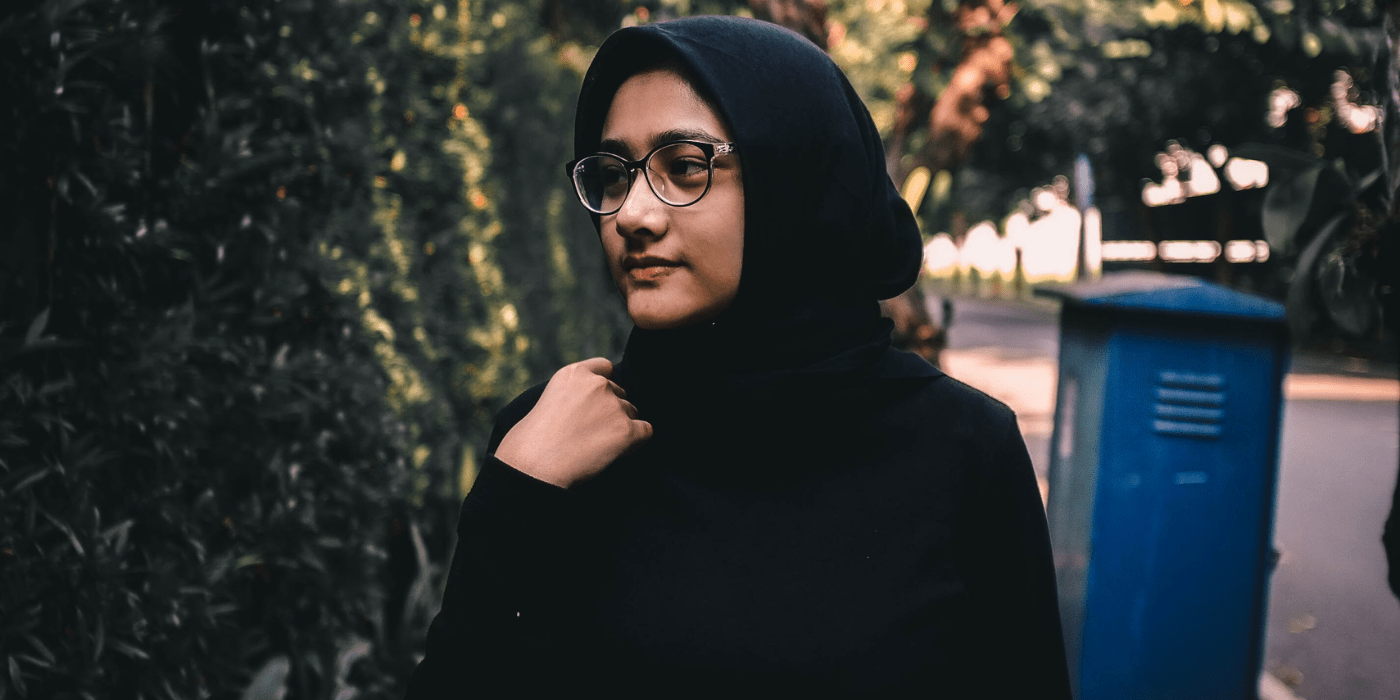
pixel 619 147
pixel 615 147
pixel 673 135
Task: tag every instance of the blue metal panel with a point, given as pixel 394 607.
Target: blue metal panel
pixel 1073 474
pixel 1182 512
pixel 1201 300
pixel 1178 295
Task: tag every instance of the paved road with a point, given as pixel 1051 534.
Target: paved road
pixel 1333 631
pixel 1028 329
pixel 1334 627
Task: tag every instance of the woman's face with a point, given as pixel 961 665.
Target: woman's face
pixel 675 266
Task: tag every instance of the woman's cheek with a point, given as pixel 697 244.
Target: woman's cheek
pixel 719 289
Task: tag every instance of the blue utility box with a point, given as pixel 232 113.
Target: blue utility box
pixel 1163 466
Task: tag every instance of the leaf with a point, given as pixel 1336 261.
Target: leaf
pixel 130 651
pixel 1304 192
pixel 36 331
pixel 34 661
pixel 39 647
pixel 55 12
pixel 119 533
pixel 55 386
pixel 72 538
pixel 1301 302
pixel 351 651
pixel 218 567
pixel 15 679
pixel 31 480
pixel 100 640
pixel 270 682
pixel 1286 205
pixel 1348 293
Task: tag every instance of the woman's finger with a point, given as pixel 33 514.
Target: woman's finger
pixel 617 389
pixel 597 365
pixel 629 409
pixel 641 430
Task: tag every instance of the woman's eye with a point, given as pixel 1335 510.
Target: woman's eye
pixel 613 175
pixel 687 167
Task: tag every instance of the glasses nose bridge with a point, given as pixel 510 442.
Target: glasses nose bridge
pixel 643 165
pixel 632 167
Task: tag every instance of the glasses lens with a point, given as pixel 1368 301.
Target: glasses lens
pixel 679 173
pixel 601 182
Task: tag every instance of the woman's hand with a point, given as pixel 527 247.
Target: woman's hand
pixel 581 423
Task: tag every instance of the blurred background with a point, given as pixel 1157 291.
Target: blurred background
pixel 269 268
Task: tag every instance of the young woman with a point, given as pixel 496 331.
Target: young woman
pixel 761 496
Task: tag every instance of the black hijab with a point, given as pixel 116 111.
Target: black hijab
pixel 826 232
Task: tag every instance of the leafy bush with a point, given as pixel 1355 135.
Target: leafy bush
pixel 270 267
pixel 200 469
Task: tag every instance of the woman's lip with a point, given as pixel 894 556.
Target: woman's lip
pixel 647 262
pixel 650 273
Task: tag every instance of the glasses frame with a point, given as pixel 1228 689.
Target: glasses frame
pixel 711 149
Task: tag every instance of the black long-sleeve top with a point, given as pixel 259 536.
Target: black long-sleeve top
pixel 901 552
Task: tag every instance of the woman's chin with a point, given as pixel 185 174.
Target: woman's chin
pixel 672 306
pixel 658 321
pixel 665 317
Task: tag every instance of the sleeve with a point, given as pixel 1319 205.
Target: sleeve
pixel 509 544
pixel 1010 575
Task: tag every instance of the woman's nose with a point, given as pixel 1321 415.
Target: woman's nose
pixel 642 213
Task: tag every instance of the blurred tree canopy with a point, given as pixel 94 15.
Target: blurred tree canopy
pixel 1115 80
pixel 1287 82
pixel 1300 84
pixel 1112 80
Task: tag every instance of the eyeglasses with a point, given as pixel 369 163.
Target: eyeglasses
pixel 679 173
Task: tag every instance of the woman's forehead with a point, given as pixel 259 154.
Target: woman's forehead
pixel 655 107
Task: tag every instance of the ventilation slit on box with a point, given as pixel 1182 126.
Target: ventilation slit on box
pixel 1189 404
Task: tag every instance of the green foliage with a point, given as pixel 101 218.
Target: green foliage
pixel 272 267
pixel 876 43
pixel 199 468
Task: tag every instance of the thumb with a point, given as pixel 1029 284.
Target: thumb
pixel 597 365
pixel 641 432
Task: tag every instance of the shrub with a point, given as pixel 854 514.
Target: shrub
pixel 200 469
